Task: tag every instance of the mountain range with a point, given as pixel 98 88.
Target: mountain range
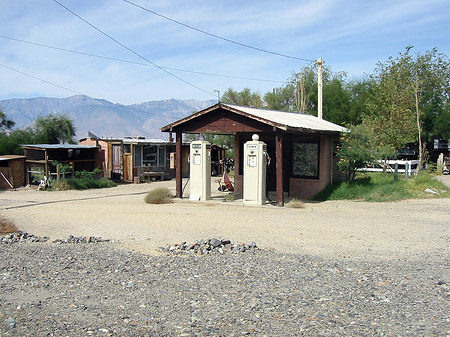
pixel 101 117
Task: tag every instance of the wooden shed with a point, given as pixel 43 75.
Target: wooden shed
pixel 12 171
pixel 134 158
pixel 302 147
pixel 40 159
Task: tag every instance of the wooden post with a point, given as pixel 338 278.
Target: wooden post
pixel 238 188
pixel 46 168
pixel 279 168
pixel 178 166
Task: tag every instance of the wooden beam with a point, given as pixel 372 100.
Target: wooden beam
pixel 178 165
pixel 279 167
pixel 237 164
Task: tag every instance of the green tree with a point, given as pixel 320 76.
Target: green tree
pixel 358 148
pixel 54 129
pixel 11 143
pixel 409 98
pixel 245 98
pixel 359 91
pixel 5 123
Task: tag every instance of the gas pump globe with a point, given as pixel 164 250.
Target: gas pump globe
pixel 255 163
pixel 200 170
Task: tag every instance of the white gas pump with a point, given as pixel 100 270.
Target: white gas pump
pixel 200 170
pixel 255 157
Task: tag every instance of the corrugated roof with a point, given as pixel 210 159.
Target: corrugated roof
pixel 145 141
pixel 60 146
pixel 287 121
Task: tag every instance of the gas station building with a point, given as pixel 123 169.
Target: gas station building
pixel 301 147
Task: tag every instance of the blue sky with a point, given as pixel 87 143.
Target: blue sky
pixel 351 36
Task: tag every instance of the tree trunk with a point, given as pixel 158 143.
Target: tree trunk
pixel 419 125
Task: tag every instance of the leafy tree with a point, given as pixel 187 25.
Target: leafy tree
pixel 10 144
pixel 54 129
pixel 409 98
pixel 358 148
pixel 244 97
pixel 5 123
pixel 359 91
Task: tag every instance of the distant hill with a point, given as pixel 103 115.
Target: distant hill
pixel 101 117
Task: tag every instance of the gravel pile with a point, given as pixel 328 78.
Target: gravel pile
pixel 209 246
pixel 21 237
pixel 97 290
pixel 83 239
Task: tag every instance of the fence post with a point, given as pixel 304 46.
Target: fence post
pixel 406 170
pixel 396 172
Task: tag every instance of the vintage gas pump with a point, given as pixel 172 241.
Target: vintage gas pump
pixel 200 170
pixel 255 162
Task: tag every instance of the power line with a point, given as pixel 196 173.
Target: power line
pixel 138 63
pixel 217 36
pixel 68 89
pixel 132 51
pixel 40 79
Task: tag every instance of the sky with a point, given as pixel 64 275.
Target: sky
pixel 157 59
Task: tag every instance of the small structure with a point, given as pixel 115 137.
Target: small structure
pixel 133 159
pixel 12 171
pixel 302 147
pixel 41 159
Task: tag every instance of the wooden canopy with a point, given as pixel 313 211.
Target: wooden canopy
pixel 242 121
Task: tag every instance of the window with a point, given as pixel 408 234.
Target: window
pixel 150 155
pixel 137 155
pixel 305 160
pixel 126 148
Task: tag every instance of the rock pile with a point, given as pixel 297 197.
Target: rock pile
pixel 23 237
pixel 209 246
pixel 20 236
pixel 84 239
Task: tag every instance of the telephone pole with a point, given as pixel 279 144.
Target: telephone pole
pixel 319 63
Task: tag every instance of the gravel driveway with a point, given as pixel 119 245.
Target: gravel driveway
pixel 328 269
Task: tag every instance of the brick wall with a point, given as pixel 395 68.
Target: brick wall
pixel 306 188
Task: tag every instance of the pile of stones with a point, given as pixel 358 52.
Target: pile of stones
pixel 209 246
pixel 20 237
pixel 83 239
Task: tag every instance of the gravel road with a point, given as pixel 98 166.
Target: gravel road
pixel 328 269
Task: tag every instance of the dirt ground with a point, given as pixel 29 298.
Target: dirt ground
pixel 340 229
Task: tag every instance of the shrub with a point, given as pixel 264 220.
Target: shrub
pixel 7 226
pixel 159 195
pixel 84 180
pixel 294 203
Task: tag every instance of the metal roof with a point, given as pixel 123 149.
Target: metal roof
pixel 287 121
pixel 145 141
pixel 59 146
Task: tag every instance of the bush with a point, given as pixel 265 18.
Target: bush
pixel 382 187
pixel 159 195
pixel 295 203
pixel 84 180
pixel 7 226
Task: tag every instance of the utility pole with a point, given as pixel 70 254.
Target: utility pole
pixel 319 63
pixel 218 95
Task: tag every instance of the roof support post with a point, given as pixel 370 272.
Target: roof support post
pixel 279 167
pixel 178 168
pixel 238 189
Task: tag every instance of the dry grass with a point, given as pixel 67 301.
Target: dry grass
pixel 294 203
pixel 7 226
pixel 158 196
